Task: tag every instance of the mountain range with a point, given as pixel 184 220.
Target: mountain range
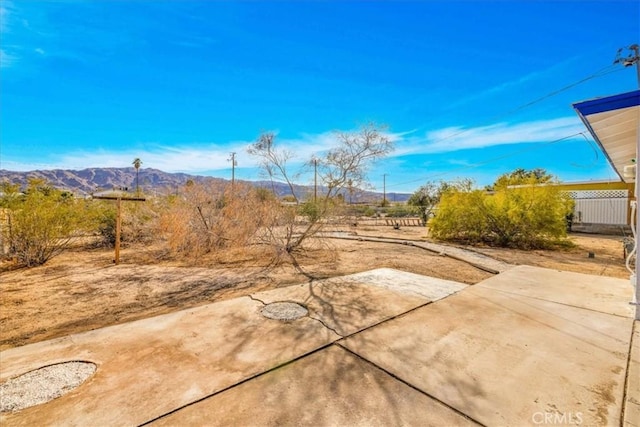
pixel 90 180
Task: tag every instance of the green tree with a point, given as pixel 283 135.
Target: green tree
pixel 522 176
pixel 42 222
pixel 136 164
pixel 426 198
pixel 531 215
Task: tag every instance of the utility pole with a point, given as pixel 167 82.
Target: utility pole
pixel 384 189
pixel 315 180
pixel 633 58
pixel 234 163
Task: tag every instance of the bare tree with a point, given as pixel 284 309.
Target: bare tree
pixel 341 168
pixel 347 164
pixel 273 161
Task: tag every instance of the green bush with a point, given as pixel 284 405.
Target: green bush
pixel 311 210
pixel 106 219
pixel 527 217
pixel 42 222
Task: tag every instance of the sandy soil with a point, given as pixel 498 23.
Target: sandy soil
pixel 82 290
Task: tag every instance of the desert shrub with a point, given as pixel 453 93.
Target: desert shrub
pixel 311 210
pixel 360 211
pixel 42 222
pixel 529 216
pixel 139 222
pixel 368 211
pixel 105 215
pixel 210 216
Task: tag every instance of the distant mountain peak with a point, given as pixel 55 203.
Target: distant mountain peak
pixel 89 180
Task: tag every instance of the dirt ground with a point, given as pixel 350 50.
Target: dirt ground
pixel 82 289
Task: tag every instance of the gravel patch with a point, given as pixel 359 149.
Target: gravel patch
pixel 43 384
pixel 284 311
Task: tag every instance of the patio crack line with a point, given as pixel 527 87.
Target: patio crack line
pixel 396 316
pixel 397 378
pixel 327 326
pixel 234 385
pixel 625 387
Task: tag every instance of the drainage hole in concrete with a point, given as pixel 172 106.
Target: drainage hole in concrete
pixel 43 385
pixel 284 310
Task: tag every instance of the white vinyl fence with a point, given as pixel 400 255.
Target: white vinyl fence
pixel 600 206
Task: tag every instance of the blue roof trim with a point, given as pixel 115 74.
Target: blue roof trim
pixel 609 103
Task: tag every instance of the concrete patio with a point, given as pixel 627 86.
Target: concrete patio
pixel 529 346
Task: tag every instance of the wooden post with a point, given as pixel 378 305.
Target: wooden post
pixel 118 225
pixel 118 197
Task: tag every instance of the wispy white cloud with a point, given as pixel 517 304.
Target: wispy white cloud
pixel 189 158
pixel 208 158
pixel 7 59
pixel 460 138
pixel 5 11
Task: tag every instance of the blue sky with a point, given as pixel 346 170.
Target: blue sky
pixel 181 84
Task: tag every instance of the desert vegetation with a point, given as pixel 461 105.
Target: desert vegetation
pixel 42 221
pixel 209 240
pixel 203 217
pixel 522 211
pixel 340 170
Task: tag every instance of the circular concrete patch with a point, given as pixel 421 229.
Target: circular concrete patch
pixel 284 310
pixel 43 384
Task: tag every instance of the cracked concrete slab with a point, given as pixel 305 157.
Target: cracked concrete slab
pixel 502 352
pixel 329 388
pixel 345 305
pixel 505 359
pixel 149 367
pixel 599 293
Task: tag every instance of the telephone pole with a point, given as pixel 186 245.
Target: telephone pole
pixel 384 189
pixel 315 180
pixel 234 163
pixel 633 58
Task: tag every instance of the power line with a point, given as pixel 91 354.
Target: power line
pixel 600 73
pixel 491 160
